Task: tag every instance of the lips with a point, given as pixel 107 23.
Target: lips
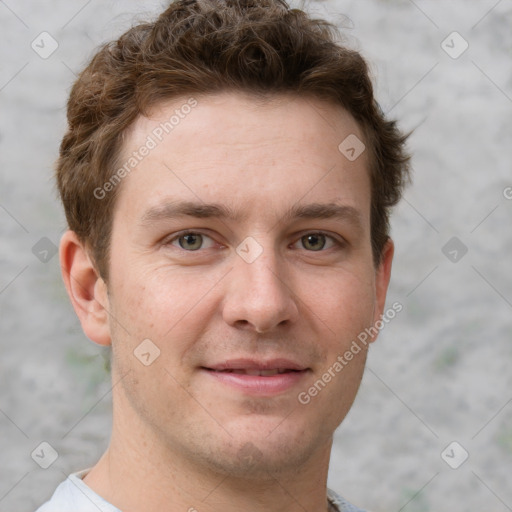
pixel 261 373
pixel 258 367
pixel 264 378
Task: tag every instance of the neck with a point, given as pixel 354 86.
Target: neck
pixel 138 472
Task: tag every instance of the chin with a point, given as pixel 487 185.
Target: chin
pixel 262 453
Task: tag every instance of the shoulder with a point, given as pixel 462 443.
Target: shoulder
pixel 340 503
pixel 74 494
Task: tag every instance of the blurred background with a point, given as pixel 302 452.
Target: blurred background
pixel 431 428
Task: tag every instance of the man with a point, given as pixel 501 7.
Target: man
pixel 227 177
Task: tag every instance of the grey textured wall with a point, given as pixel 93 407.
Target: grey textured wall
pixel 440 371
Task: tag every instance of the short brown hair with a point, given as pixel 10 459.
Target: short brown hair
pixel 208 46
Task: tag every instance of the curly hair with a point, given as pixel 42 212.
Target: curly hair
pixel 205 47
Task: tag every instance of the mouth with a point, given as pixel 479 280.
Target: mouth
pixel 260 373
pixel 264 378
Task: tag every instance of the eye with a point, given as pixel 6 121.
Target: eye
pixel 192 241
pixel 317 241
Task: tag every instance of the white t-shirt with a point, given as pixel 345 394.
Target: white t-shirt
pixel 73 495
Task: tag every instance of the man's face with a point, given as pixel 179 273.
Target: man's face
pixel 241 243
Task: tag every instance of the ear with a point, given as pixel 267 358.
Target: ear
pixel 382 276
pixel 86 289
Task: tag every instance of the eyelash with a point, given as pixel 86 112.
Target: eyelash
pixel 338 244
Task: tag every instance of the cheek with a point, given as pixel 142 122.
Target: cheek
pixel 344 301
pixel 345 384
pixel 162 304
pixel 164 309
pixel 331 392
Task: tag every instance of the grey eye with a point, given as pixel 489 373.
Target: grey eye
pixel 191 241
pixel 314 241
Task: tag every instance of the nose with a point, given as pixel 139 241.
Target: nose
pixel 260 295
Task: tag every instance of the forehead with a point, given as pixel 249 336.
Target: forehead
pixel 248 153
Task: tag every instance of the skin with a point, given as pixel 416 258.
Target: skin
pixel 181 439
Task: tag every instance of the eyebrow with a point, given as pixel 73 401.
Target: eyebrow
pixel 176 209
pixel 326 211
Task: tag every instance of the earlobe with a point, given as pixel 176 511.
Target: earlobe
pixel 382 277
pixel 86 289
